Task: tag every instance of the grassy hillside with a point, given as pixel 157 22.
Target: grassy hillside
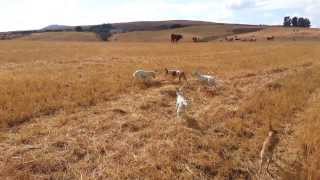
pixel 206 32
pixel 70 111
pixel 156 25
pixel 62 36
pixel 282 33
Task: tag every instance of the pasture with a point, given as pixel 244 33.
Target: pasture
pixel 69 110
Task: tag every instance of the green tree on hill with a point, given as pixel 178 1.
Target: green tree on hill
pixel 102 31
pixel 287 21
pixel 78 29
pixel 307 23
pixel 294 21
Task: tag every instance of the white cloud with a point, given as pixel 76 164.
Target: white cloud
pixel 240 4
pixel 34 14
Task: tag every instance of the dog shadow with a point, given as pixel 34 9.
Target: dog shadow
pixel 192 123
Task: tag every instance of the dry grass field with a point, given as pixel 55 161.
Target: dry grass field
pixel 206 32
pixel 62 36
pixel 218 32
pixel 69 110
pixel 285 34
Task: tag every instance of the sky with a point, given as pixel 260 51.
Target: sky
pixel 36 14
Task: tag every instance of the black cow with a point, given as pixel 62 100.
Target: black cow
pixel 176 38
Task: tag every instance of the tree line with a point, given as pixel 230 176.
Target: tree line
pixel 296 22
pixel 103 31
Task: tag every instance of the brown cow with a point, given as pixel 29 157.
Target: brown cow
pixel 230 39
pixel 270 38
pixel 196 39
pixel 237 38
pixel 176 38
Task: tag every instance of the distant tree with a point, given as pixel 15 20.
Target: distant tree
pixel 307 23
pixel 300 22
pixel 103 31
pixel 294 21
pixel 78 29
pixel 287 21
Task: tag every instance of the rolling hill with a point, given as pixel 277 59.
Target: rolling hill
pixel 159 31
pixel 205 32
pixel 157 25
pixel 285 34
pixel 56 27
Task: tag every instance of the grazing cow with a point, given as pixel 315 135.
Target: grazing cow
pixel 270 38
pixel 196 39
pixel 176 38
pixel 176 73
pixel 229 39
pixel 253 39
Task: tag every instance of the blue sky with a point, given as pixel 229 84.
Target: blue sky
pixel 35 14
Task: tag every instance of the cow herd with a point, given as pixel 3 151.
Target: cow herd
pixel 175 38
pixel 246 39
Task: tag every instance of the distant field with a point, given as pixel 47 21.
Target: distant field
pixel 160 31
pixel 69 110
pixel 206 32
pixel 291 34
pixel 62 36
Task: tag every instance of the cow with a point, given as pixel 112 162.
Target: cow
pixel 253 39
pixel 230 39
pixel 270 38
pixel 237 38
pixel 196 39
pixel 176 38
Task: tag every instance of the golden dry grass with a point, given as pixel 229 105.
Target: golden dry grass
pixel 68 110
pixel 62 36
pixel 285 34
pixel 203 32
